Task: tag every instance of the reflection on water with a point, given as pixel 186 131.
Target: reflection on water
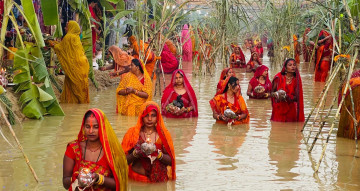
pixel 259 156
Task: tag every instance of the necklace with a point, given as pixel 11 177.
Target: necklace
pixel 92 151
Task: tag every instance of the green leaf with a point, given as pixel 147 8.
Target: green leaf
pixel 119 15
pixel 33 110
pixel 43 96
pixel 32 20
pixel 49 9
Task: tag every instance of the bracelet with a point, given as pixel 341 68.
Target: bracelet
pixel 136 92
pixel 101 180
pixel 160 156
pixel 135 154
pixel 218 117
pixel 188 109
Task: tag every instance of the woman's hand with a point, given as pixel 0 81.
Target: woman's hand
pixel 130 90
pixel 181 111
pixel 224 118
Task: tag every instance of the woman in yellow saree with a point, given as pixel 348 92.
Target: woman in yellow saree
pixel 133 90
pixel 74 63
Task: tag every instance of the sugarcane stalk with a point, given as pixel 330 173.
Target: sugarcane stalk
pixel 338 110
pixel 322 124
pixel 322 97
pixel 19 145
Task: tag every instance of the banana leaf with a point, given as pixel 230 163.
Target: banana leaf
pixel 49 10
pixel 31 18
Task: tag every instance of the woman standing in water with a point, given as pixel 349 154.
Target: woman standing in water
pixel 133 90
pixel 260 85
pixel 230 98
pixel 73 61
pixel 96 151
pixel 149 147
pixel 287 94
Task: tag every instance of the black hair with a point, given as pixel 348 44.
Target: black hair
pixel 286 63
pixel 87 115
pixel 92 1
pixel 137 63
pixel 232 81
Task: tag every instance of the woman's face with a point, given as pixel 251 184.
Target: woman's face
pixel 237 50
pixel 255 57
pixel 230 73
pixel 133 68
pixel 235 87
pixel 91 128
pixel 265 73
pixel 150 119
pixel 179 79
pixel 291 66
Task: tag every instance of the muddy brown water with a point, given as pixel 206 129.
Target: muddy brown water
pixel 262 155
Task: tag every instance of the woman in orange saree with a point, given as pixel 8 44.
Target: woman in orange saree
pixel 156 163
pixel 287 94
pixel 73 61
pixel 323 56
pixel 297 49
pixel 133 90
pixel 346 124
pixel 253 63
pixel 230 99
pixel 149 57
pixel 97 151
pixel 122 61
pixel 225 73
pixel 237 58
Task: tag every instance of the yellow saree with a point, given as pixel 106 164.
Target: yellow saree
pixel 130 104
pixel 74 63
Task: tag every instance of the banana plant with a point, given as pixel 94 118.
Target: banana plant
pixel 31 75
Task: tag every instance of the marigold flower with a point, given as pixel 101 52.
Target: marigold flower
pixel 347 56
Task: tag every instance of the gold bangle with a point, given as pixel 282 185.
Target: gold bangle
pixel 134 154
pixel 136 92
pixel 159 155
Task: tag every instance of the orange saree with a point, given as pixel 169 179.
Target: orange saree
pixel 346 124
pixel 132 137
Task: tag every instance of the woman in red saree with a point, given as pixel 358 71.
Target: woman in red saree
pixel 346 124
pixel 230 99
pixel 225 73
pixel 97 150
pixel 259 49
pixel 150 128
pixel 168 59
pixel 307 47
pixel 237 58
pixel 288 106
pixel 253 63
pixel 260 85
pixel 179 86
pixel 94 30
pixel 323 56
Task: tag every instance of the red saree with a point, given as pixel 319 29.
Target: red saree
pixel 154 172
pixel 189 98
pixel 259 50
pixel 234 57
pixel 322 67
pixel 112 164
pixel 254 82
pixel 222 81
pixel 290 110
pixel 168 60
pixel 252 61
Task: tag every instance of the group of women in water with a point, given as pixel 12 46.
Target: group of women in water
pixel 97 160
